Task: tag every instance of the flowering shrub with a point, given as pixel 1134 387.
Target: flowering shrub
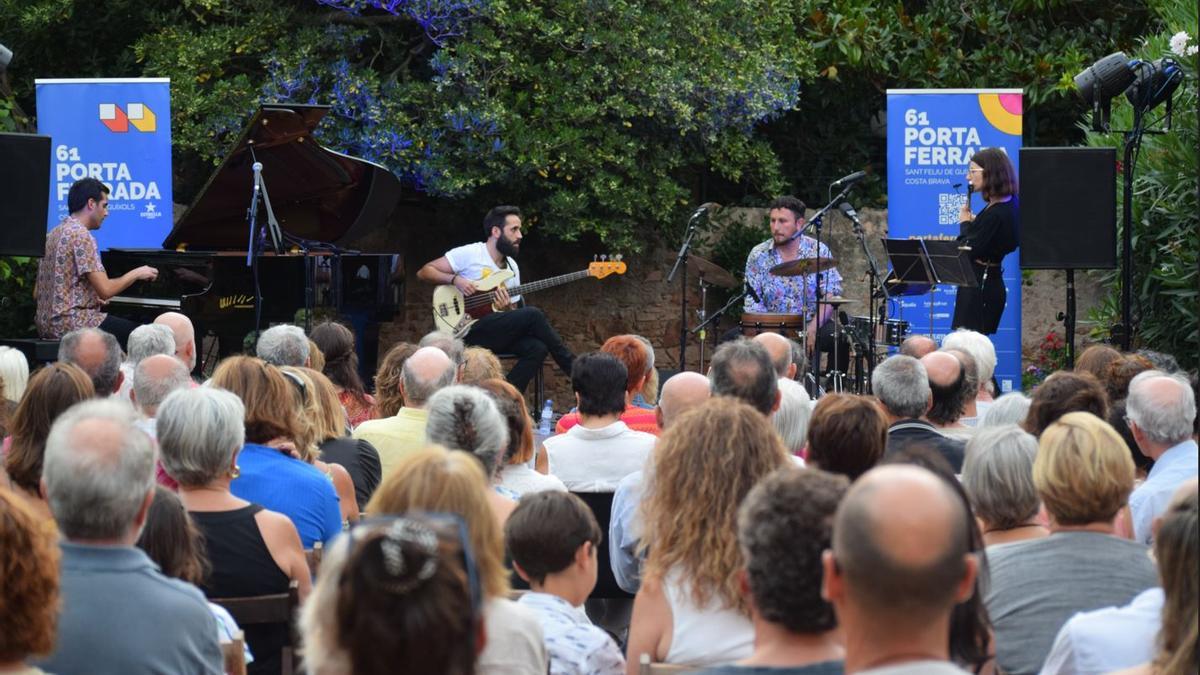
pixel 1051 355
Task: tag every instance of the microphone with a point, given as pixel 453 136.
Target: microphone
pixel 704 209
pixel 848 180
pixel 847 209
pixel 753 294
pixel 257 169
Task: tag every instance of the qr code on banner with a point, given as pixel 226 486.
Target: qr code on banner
pixel 948 205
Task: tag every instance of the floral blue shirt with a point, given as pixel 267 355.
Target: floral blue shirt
pixel 787 295
pixel 576 645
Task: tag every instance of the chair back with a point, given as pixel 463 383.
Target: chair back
pixel 313 557
pixel 645 667
pixel 277 608
pixel 234 653
pixel 606 583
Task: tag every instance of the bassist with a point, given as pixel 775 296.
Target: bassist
pixel 522 331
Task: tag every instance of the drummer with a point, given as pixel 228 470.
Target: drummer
pixel 794 294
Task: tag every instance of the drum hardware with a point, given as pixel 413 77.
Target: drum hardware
pixel 803 266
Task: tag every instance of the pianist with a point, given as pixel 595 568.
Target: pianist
pixel 72 286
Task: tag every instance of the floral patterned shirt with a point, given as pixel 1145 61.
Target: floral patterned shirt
pixel 787 295
pixel 66 300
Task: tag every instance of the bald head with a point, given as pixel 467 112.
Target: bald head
pixel 424 373
pixel 98 354
pixel 900 544
pixel 185 336
pixel 917 346
pixel 942 367
pixel 780 351
pixel 681 393
pixel 154 378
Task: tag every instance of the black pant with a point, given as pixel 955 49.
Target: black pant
pixel 979 309
pixel 119 327
pixel 526 333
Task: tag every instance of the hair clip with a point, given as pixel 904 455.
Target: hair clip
pixel 406 531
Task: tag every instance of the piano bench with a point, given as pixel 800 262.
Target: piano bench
pixel 36 350
pixel 539 387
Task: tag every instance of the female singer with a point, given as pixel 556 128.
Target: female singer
pixel 991 235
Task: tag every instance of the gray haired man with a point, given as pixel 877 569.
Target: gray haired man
pixel 902 386
pixel 283 345
pixel 119 613
pixel 1161 410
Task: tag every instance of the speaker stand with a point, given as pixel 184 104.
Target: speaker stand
pixel 1068 319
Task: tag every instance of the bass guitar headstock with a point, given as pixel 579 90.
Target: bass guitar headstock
pixel 604 265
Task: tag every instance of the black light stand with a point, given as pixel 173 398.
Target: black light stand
pixel 873 283
pixel 681 264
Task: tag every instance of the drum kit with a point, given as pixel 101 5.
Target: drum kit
pixel 858 332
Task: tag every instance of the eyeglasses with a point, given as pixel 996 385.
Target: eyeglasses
pixel 974 170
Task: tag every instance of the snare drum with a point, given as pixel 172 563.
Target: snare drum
pixel 887 331
pixel 788 325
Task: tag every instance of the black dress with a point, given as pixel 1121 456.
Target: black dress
pixel 242 566
pixel 361 461
pixel 991 236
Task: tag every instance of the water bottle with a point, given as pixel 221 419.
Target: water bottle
pixel 544 425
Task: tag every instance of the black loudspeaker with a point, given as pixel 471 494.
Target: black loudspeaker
pixel 25 177
pixel 1068 208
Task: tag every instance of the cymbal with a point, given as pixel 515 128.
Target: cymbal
pixel 799 266
pixel 837 301
pixel 711 272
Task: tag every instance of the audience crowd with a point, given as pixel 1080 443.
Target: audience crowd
pixel 415 520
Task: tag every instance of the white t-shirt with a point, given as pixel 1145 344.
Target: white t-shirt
pixel 474 262
pixel 595 460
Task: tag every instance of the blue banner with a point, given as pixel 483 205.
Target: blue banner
pixel 931 135
pixel 118 131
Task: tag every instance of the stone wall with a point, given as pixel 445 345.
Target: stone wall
pixel 587 312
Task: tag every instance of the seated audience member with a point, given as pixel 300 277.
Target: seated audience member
pixel 434 480
pixel 266 473
pixel 784 526
pixel 780 351
pixel 252 551
pixel 633 355
pixel 283 345
pixel 466 419
pixel 964 426
pixel 154 378
pixel 1112 638
pixel 918 346
pixel 173 542
pixel 389 394
pixel 1160 361
pixel 800 359
pixel 358 457
pixel 308 411
pixel 1161 411
pixel 28 585
pixel 119 613
pixel 951 388
pixel 899 564
pixel 552 538
pixel 144 341
pixel 648 397
pixel 690 609
pixel 1121 372
pixel 791 420
pixel 1095 359
pixel 1118 417
pixel 595 454
pixel 52 389
pixel 983 352
pixel 902 386
pixel 453 347
pixel 680 393
pixel 1084 476
pixel 847 435
pixel 480 365
pixel 742 369
pixel 424 373
pixel 998 478
pixel 1061 393
pixel 1011 408
pixel 516 474
pixel 316 359
pixel 98 354
pixel 397 596
pixel 185 337
pixel 336 343
pixel 14 375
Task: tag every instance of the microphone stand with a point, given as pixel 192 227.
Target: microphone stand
pixel 816 223
pixel 681 264
pixel 873 274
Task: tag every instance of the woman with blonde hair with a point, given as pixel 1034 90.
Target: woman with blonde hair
pixel 389 397
pixel 1083 475
pixel 433 479
pixel 356 455
pixel 516 475
pixel 690 609
pixel 267 472
pixel 14 374
pixel 311 413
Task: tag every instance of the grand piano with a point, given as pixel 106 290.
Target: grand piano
pixel 329 206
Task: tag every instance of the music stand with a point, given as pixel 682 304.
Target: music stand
pixel 910 267
pixel 932 262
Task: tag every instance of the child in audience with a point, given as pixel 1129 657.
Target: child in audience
pixel 552 538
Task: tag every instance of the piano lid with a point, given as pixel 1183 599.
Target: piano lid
pixel 316 193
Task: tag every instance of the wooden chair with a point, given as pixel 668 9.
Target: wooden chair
pixel 234 653
pixel 645 667
pixel 313 557
pixel 278 608
pixel 606 582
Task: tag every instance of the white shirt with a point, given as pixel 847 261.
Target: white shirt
pixel 708 635
pixel 576 645
pixel 514 641
pixel 1150 500
pixel 474 262
pixel 1104 640
pixel 595 460
pixel 523 480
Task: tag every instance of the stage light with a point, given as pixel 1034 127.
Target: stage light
pixel 1105 79
pixel 1155 83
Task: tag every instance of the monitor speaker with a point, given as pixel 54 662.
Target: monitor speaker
pixel 25 177
pixel 1068 208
